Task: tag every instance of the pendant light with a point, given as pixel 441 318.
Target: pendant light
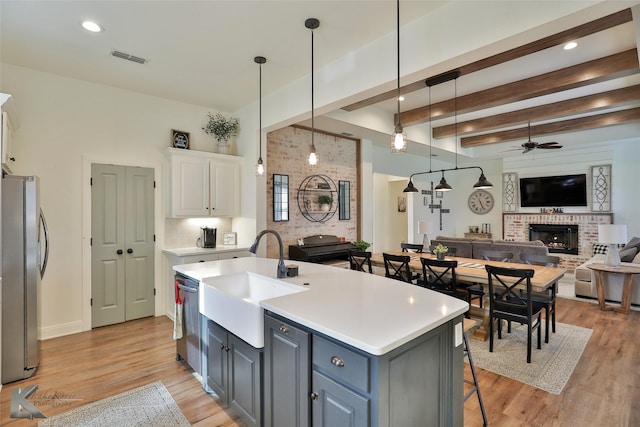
pixel 260 165
pixel 443 185
pixel 312 24
pixel 398 137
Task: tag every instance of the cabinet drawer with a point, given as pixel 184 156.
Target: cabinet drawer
pixel 190 259
pixel 341 363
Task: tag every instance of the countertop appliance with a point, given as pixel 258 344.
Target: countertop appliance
pixel 188 347
pixel 25 249
pixel 208 237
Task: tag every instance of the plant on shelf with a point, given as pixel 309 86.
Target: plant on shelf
pixel 361 245
pixel 325 201
pixel 440 250
pixel 222 129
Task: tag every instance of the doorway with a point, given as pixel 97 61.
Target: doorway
pixel 122 244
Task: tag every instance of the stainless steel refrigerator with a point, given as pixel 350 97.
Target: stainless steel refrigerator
pixel 25 249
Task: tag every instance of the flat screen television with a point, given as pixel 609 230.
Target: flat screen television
pixel 547 191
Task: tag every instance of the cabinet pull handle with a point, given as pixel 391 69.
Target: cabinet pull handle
pixel 284 329
pixel 335 360
pixel 314 396
pixel 221 346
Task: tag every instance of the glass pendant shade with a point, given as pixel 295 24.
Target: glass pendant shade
pixel 260 167
pixel 399 140
pixel 313 157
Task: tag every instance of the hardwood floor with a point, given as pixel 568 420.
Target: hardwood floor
pixel 604 389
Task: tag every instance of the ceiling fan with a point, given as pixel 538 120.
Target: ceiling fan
pixel 531 145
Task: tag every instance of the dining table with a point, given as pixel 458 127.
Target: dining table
pixel 472 270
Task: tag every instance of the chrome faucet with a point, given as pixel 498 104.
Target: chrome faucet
pixel 282 269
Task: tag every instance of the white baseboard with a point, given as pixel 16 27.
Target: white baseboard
pixel 60 330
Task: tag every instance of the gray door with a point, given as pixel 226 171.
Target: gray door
pixel 122 248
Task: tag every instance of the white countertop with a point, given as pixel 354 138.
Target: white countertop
pixel 369 312
pixel 194 250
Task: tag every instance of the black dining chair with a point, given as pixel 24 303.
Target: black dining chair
pixel 397 267
pixel 360 261
pixel 440 275
pixel 501 256
pixel 548 299
pixel 411 247
pixel 507 303
pixel 476 290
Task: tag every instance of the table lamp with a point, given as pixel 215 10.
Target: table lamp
pixel 612 234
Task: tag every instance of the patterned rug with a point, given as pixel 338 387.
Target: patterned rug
pixel 147 406
pixel 550 367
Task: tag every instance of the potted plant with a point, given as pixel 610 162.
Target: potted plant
pixel 222 129
pixel 361 245
pixel 325 201
pixel 440 250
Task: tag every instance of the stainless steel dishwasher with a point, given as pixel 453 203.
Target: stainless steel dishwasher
pixel 188 347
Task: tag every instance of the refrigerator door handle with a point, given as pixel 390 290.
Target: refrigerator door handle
pixel 46 244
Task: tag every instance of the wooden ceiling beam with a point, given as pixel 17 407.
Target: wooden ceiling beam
pixel 584 104
pixel 562 37
pixel 590 72
pixel 571 125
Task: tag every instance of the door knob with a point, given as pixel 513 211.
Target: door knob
pixel 119 251
pixel 129 251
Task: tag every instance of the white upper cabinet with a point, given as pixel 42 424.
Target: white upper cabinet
pixel 202 184
pixel 8 124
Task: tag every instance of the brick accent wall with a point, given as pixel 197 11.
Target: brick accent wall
pixel 287 151
pixel 516 227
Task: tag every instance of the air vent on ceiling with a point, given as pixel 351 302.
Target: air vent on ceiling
pixel 128 57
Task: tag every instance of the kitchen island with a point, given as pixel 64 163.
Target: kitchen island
pixel 347 348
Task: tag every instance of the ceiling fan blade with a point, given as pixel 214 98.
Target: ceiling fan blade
pixel 550 146
pixel 547 144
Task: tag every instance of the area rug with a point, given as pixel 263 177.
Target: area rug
pixel 550 367
pixel 147 406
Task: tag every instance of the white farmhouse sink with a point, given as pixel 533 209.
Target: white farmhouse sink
pixel 233 302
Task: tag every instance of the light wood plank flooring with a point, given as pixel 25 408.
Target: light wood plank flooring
pixel 604 389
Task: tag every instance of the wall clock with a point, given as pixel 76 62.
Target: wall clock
pixel 481 202
pixel 180 139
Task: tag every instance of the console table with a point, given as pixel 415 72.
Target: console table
pixel 477 235
pixel 628 271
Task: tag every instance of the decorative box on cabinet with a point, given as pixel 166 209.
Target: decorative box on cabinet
pixel 202 184
pixel 233 370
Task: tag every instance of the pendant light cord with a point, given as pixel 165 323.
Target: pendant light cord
pixel 260 115
pixel 455 116
pixel 398 47
pixel 312 114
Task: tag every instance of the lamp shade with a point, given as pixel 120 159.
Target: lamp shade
pixel 612 233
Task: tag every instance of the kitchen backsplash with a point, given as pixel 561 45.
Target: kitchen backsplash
pixel 183 233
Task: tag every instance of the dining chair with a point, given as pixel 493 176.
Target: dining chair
pixel 411 247
pixel 548 299
pixel 507 303
pixel 360 261
pixel 497 256
pixel 397 267
pixel 440 275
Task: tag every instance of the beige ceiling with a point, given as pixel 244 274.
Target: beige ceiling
pixel 201 52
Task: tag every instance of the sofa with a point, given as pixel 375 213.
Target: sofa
pixel 473 248
pixel 585 278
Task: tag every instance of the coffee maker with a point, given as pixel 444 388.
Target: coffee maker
pixel 207 237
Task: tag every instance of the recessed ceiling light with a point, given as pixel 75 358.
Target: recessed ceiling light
pixel 92 26
pixel 401 98
pixel 570 45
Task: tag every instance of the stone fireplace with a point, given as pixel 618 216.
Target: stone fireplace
pixel 560 239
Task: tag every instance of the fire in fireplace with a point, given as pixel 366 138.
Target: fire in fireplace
pixel 558 238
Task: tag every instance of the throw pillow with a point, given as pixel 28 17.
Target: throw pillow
pixel 627 254
pixel 600 248
pixel 633 243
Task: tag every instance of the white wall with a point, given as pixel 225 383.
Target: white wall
pixel 66 124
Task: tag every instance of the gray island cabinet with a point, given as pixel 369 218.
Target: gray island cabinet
pixel 330 347
pixel 314 380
